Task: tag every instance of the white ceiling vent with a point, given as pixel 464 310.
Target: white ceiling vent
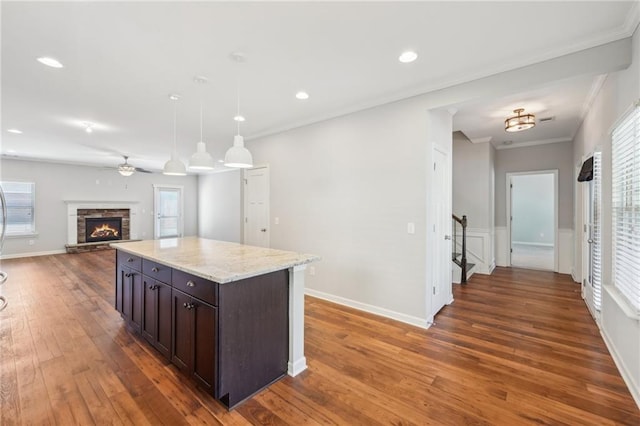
pixel 545 119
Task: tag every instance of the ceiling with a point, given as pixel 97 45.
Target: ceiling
pixel 122 60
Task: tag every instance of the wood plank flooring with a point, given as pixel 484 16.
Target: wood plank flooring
pixel 515 348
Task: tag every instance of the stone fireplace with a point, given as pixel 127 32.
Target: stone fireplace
pixel 92 225
pixel 95 225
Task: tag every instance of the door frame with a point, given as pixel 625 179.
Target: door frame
pixel 509 175
pixel 156 190
pixel 245 201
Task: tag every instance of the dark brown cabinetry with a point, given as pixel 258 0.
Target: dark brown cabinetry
pixel 129 295
pixel 195 338
pixel 156 319
pixel 232 338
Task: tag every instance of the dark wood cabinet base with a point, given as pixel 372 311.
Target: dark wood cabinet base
pixel 234 343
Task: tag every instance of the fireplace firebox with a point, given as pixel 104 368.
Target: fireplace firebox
pixel 103 229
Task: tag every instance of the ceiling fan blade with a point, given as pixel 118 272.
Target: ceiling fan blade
pixel 141 170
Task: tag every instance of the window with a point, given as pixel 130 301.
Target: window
pixel 625 163
pixel 20 198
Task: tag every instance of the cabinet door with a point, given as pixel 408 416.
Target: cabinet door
pixel 204 343
pixel 127 293
pixel 181 331
pixel 163 318
pixel 135 321
pixel 149 310
pixel 120 271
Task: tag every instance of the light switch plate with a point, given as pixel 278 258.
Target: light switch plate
pixel 411 228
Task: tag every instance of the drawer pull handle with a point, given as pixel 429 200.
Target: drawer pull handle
pixel 154 269
pixel 191 284
pixel 128 274
pixel 130 259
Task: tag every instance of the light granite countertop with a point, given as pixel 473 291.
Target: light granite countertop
pixel 217 261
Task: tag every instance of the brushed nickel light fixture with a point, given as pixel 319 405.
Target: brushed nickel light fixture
pixel 238 156
pixel 519 122
pixel 174 167
pixel 201 160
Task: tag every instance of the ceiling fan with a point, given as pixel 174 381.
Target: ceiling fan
pixel 126 169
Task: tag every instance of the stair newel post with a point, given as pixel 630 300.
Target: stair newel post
pixel 463 278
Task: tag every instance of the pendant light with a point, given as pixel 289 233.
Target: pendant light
pixel 201 159
pixel 174 167
pixel 238 156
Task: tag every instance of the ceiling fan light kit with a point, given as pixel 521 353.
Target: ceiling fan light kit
pixel 519 122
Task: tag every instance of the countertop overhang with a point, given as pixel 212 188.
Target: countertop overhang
pixel 218 261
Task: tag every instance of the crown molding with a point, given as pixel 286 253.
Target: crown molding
pixel 534 143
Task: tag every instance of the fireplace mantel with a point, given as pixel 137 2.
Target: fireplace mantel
pixel 74 205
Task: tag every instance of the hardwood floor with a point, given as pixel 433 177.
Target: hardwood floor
pixel 515 348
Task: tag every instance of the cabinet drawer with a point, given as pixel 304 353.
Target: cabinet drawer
pixel 195 286
pixel 130 260
pixel 157 271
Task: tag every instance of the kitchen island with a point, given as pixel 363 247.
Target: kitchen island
pixel 228 315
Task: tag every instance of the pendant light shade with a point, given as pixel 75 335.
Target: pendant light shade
pixel 238 156
pixel 174 167
pixel 201 159
pixel 519 122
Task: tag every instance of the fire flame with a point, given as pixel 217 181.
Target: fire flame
pixel 104 231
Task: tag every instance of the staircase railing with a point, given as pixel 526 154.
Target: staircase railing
pixel 462 262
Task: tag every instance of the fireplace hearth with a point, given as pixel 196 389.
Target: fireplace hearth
pixel 103 229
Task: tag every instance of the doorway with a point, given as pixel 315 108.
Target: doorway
pixel 532 200
pixel 592 239
pixel 168 219
pixel 256 207
pixel 441 187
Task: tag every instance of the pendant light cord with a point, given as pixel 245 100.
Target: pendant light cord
pixel 175 129
pixel 238 105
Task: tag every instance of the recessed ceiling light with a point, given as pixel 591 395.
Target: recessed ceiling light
pixel 302 95
pixel 16 131
pixel 50 62
pixel 88 126
pixel 239 118
pixel 174 96
pixel 408 56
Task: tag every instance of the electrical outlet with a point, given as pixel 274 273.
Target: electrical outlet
pixel 276 220
pixel 31 242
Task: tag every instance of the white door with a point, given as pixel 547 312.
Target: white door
pixel 168 222
pixel 441 187
pixel 591 264
pixel 256 207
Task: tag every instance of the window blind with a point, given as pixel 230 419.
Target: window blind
pixel 625 163
pixel 20 197
pixel 596 247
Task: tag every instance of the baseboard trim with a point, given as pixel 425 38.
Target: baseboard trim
pixel 387 313
pixel 32 254
pixel 633 387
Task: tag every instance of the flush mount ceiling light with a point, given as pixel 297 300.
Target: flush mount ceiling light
pixel 16 131
pixel 238 156
pixel 174 167
pixel 201 159
pixel 303 96
pixel 519 122
pixel 408 56
pixel 50 62
pixel 239 118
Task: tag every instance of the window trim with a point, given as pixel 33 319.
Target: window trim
pixel 34 229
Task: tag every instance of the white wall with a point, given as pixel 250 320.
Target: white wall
pixel 220 206
pixel 345 189
pixel 56 183
pixel 621 331
pixel 474 196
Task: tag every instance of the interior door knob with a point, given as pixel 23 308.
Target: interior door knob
pixel 263 230
pixel 447 237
